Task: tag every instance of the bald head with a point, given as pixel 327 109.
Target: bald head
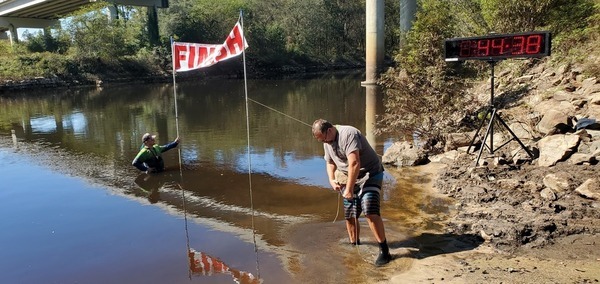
pixel 320 126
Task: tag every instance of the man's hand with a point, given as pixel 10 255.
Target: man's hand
pixel 335 185
pixel 347 194
pixel 340 188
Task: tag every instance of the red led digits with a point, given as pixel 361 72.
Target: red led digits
pixel 533 44
pixel 518 45
pixel 498 46
pixel 483 47
pixel 465 48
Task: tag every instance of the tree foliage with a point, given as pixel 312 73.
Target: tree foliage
pixel 95 35
pixel 426 95
pixel 285 32
pixel 420 93
pixel 47 42
pixel 202 21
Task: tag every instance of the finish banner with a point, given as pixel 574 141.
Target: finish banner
pixel 190 56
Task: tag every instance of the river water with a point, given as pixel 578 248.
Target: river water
pixel 74 210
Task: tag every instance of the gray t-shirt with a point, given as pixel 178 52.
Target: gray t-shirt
pixel 348 140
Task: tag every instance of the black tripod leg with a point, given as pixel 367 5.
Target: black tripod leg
pixel 478 129
pixel 515 137
pixel 487 133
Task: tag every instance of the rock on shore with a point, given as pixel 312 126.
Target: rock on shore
pixel 513 199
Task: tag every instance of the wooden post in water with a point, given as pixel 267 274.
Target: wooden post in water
pixel 374 40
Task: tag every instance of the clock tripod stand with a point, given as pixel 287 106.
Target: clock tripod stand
pixel 492 111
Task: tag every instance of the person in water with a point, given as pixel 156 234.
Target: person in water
pixel 354 170
pixel 149 157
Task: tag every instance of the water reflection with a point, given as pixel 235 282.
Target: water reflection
pixel 206 265
pixel 110 121
pixel 373 106
pixel 150 185
pixel 14 138
pixel 74 122
pixel 223 196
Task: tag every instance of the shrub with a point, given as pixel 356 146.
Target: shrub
pixel 424 95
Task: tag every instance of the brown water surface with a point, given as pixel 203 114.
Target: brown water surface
pixel 76 211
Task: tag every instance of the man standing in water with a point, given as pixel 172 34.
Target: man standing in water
pixel 149 158
pixel 349 155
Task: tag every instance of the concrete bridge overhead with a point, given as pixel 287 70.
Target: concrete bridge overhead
pixel 46 13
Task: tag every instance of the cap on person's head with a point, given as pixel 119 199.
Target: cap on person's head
pixel 147 136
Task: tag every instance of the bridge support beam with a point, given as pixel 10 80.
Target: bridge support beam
pixel 142 3
pixel 152 27
pixel 374 40
pixel 408 11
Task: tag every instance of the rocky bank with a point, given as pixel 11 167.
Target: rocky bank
pixel 509 198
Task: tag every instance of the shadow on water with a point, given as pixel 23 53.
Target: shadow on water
pixel 164 187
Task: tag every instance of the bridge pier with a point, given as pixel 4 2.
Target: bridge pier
pixel 375 20
pixel 153 35
pixel 152 25
pixel 408 11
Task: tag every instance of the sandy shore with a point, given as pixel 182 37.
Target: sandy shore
pixel 572 259
pixel 435 256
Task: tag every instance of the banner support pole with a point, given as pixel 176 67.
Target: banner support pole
pixel 248 138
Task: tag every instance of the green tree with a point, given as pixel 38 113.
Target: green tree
pixel 509 16
pixel 95 35
pixel 423 94
pixel 58 42
pixel 201 21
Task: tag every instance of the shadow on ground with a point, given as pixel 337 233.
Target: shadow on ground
pixel 428 244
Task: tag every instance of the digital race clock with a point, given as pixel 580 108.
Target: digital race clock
pixel 498 46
